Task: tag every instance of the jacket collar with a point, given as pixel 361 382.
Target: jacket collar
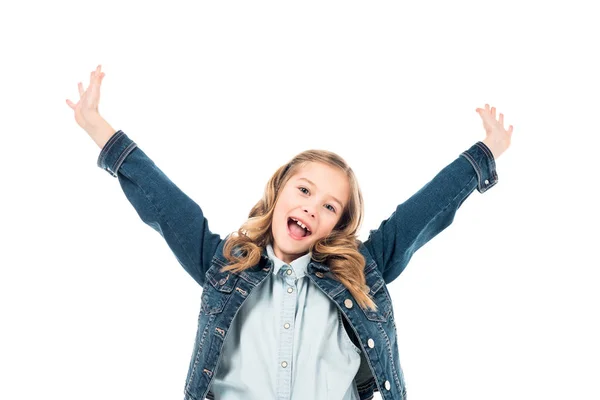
pixel 312 266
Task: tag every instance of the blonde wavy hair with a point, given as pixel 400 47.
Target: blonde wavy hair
pixel 339 250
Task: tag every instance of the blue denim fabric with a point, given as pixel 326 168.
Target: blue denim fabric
pixel 251 366
pixel 388 249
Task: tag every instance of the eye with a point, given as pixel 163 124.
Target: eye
pixel 332 209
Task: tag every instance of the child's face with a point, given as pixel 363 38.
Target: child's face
pixel 315 204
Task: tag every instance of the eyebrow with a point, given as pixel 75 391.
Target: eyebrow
pixel 312 183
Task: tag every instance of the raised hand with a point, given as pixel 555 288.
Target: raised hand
pixel 86 109
pixel 497 138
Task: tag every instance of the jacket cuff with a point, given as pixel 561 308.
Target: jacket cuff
pixel 482 160
pixel 114 152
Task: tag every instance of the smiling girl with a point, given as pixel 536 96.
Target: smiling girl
pixel 294 306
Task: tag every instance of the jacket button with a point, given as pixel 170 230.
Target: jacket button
pixel 387 385
pixel 348 303
pixel 319 274
pixel 486 182
pixel 371 343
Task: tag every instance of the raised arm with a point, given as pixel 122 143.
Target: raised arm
pixel 158 202
pixel 161 204
pixel 430 210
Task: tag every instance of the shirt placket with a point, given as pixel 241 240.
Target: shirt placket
pixel 286 332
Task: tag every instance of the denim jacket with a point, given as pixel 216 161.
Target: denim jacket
pixel 388 249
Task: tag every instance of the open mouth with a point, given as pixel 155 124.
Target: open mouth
pixel 297 231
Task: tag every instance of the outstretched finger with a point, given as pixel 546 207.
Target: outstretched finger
pixel 96 78
pixel 70 104
pixel 81 91
pixel 95 75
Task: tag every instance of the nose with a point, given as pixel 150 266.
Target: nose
pixel 309 211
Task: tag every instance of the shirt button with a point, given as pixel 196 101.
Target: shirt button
pixel 486 181
pixel 290 290
pixel 371 343
pixel 348 303
pixel 284 364
pixel 289 272
pixel 319 274
pixel 286 326
pixel 387 385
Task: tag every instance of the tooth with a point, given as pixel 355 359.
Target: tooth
pixel 300 223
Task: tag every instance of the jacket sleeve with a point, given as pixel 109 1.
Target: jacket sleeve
pixel 161 204
pixel 430 210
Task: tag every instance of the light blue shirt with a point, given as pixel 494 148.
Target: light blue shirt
pixel 287 342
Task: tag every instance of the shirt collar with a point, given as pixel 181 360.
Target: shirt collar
pixel 299 265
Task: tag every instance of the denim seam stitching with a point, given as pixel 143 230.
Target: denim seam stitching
pixel 345 334
pixel 491 160
pixel 200 348
pixel 188 394
pixel 459 193
pixel 477 171
pixel 486 149
pixel 109 144
pixel 121 158
pixel 391 358
pixel 492 181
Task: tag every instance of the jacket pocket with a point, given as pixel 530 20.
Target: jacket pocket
pixel 379 294
pixel 217 288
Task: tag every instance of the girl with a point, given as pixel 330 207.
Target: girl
pixel 264 332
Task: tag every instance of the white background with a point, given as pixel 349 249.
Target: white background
pixel 502 304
